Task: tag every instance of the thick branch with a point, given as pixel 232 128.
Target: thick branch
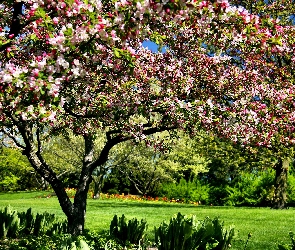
pixel 15 26
pixel 103 157
pixel 150 131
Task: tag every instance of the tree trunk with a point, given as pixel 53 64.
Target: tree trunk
pixel 44 184
pixel 98 183
pixel 280 193
pixel 76 220
pixel 76 211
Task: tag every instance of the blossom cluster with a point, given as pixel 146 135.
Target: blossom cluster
pixel 81 65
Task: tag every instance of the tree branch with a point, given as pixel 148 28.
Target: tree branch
pixel 7 133
pixel 15 26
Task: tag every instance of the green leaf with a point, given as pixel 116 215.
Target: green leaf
pixel 117 53
pixel 68 32
pixel 33 36
pixel 40 12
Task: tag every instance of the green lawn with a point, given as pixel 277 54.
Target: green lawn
pixel 268 227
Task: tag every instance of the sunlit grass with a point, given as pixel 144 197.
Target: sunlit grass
pixel 268 227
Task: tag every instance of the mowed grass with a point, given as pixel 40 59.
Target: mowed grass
pixel 268 227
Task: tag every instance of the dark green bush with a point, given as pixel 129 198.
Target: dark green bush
pixel 131 232
pixel 249 189
pixel 15 224
pixel 186 233
pixel 217 195
pixel 291 190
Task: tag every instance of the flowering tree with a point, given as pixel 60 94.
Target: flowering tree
pixel 260 111
pixel 247 81
pixel 79 65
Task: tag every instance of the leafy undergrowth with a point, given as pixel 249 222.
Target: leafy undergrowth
pixel 181 233
pixel 88 241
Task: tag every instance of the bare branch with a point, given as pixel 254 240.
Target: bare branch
pixel 61 174
pixel 12 137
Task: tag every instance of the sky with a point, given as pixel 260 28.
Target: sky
pixel 152 46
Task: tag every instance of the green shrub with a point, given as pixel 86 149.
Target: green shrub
pixel 15 224
pixel 131 232
pixel 250 189
pixel 291 190
pixel 218 195
pixel 186 233
pixel 73 243
pixel 10 183
pixel 185 191
pixel 44 242
pixel 9 223
pixel 113 191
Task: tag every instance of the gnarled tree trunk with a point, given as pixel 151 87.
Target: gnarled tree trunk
pixel 98 183
pixel 76 219
pixel 280 193
pixel 75 211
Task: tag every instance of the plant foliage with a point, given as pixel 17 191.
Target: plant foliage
pixel 186 233
pixel 131 232
pixel 14 224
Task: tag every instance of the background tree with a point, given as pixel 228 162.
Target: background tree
pixel 16 171
pixel 264 116
pixel 147 168
pixel 65 155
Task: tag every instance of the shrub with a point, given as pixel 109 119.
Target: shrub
pixel 58 242
pixel 10 183
pixel 113 191
pixel 249 189
pixel 186 233
pixel 131 232
pixel 10 223
pixel 15 224
pixel 217 195
pixel 291 190
pixel 185 191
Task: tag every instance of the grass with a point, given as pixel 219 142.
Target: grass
pixel 268 227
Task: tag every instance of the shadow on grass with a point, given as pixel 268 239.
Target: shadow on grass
pixel 134 204
pixel 23 195
pixel 112 203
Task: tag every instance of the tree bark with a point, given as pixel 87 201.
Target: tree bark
pixel 98 183
pixel 76 220
pixel 280 193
